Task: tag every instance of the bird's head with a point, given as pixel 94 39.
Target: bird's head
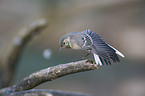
pixel 64 42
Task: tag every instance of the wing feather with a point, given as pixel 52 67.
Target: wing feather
pixel 103 52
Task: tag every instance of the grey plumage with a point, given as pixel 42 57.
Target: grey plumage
pixel 90 41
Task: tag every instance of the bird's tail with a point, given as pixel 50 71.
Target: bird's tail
pixel 97 60
pixel 117 52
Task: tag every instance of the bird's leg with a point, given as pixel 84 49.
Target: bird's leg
pixel 85 56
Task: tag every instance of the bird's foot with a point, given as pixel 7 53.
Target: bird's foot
pixel 91 61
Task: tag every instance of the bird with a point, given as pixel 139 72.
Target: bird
pixel 93 43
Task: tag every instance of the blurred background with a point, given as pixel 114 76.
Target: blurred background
pixel 121 23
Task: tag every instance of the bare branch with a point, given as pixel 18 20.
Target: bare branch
pixel 50 74
pixel 9 60
pixel 45 92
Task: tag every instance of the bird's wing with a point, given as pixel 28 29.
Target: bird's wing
pixel 103 53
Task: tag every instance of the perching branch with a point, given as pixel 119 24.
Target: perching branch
pixel 9 60
pixel 50 74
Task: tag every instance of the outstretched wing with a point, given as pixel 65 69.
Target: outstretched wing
pixel 103 53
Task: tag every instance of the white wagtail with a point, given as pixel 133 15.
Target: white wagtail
pixel 92 42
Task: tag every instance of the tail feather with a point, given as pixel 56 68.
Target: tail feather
pixel 97 60
pixel 100 61
pixel 117 52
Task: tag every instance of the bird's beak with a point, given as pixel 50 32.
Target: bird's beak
pixel 60 48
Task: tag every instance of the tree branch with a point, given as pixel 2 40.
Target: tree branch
pixel 50 74
pixel 9 60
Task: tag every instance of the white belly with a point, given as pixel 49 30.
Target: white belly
pixel 75 46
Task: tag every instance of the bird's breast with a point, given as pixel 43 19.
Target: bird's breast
pixel 75 46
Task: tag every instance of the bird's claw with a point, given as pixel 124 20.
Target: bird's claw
pixel 91 61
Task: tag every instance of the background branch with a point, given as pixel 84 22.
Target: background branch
pixel 45 92
pixel 10 56
pixel 49 74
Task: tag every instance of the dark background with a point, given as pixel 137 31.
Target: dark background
pixel 121 23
